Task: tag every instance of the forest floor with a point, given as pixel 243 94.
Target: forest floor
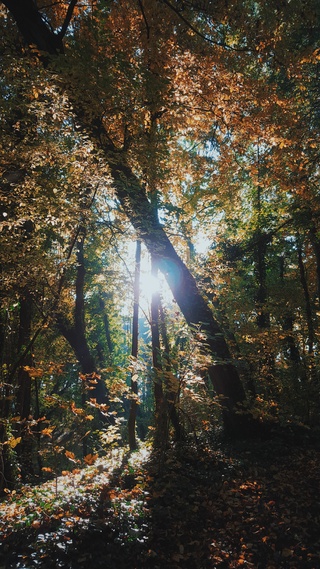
pixel 249 504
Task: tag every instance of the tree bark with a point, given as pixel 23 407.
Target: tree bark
pixel 165 397
pixel 75 332
pixel 7 475
pixel 161 416
pixel 25 448
pixel 33 28
pixel 308 308
pixel 106 326
pixel 315 241
pixel 24 380
pixel 134 349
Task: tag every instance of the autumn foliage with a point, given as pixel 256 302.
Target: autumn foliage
pixel 192 129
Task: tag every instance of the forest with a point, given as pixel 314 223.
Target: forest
pixel 160 284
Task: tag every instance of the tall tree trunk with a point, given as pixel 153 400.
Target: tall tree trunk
pixel 311 369
pixel 299 368
pixel 287 326
pixel 315 241
pixel 287 321
pixel 165 397
pixel 24 337
pixel 263 317
pixel 133 198
pixel 24 380
pixel 172 393
pixel 25 448
pixel 75 332
pixel 134 349
pixel 161 417
pixel 308 308
pixel 106 326
pixel 7 479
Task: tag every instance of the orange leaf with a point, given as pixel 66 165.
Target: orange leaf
pixel 47 432
pixel 90 459
pixel 71 456
pixel 33 372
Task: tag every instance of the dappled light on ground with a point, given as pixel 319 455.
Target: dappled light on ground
pixel 250 505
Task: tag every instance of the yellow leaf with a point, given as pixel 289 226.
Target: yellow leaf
pixel 13 442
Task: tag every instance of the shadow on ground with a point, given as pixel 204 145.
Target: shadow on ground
pixel 252 504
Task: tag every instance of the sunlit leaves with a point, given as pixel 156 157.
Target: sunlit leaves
pixel 222 136
pixel 33 372
pixel 47 431
pixel 13 442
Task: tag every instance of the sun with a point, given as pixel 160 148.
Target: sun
pixel 149 285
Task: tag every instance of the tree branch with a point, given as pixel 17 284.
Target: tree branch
pixel 144 17
pixel 33 28
pixel 198 33
pixel 67 20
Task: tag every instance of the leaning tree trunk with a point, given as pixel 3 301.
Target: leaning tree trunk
pixel 222 372
pixel 133 198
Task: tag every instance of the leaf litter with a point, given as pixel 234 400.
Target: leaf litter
pixel 252 504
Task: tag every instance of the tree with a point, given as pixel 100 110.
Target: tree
pixel 134 200
pixel 188 94
pixel 46 183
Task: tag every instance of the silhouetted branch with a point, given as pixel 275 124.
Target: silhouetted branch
pixel 67 20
